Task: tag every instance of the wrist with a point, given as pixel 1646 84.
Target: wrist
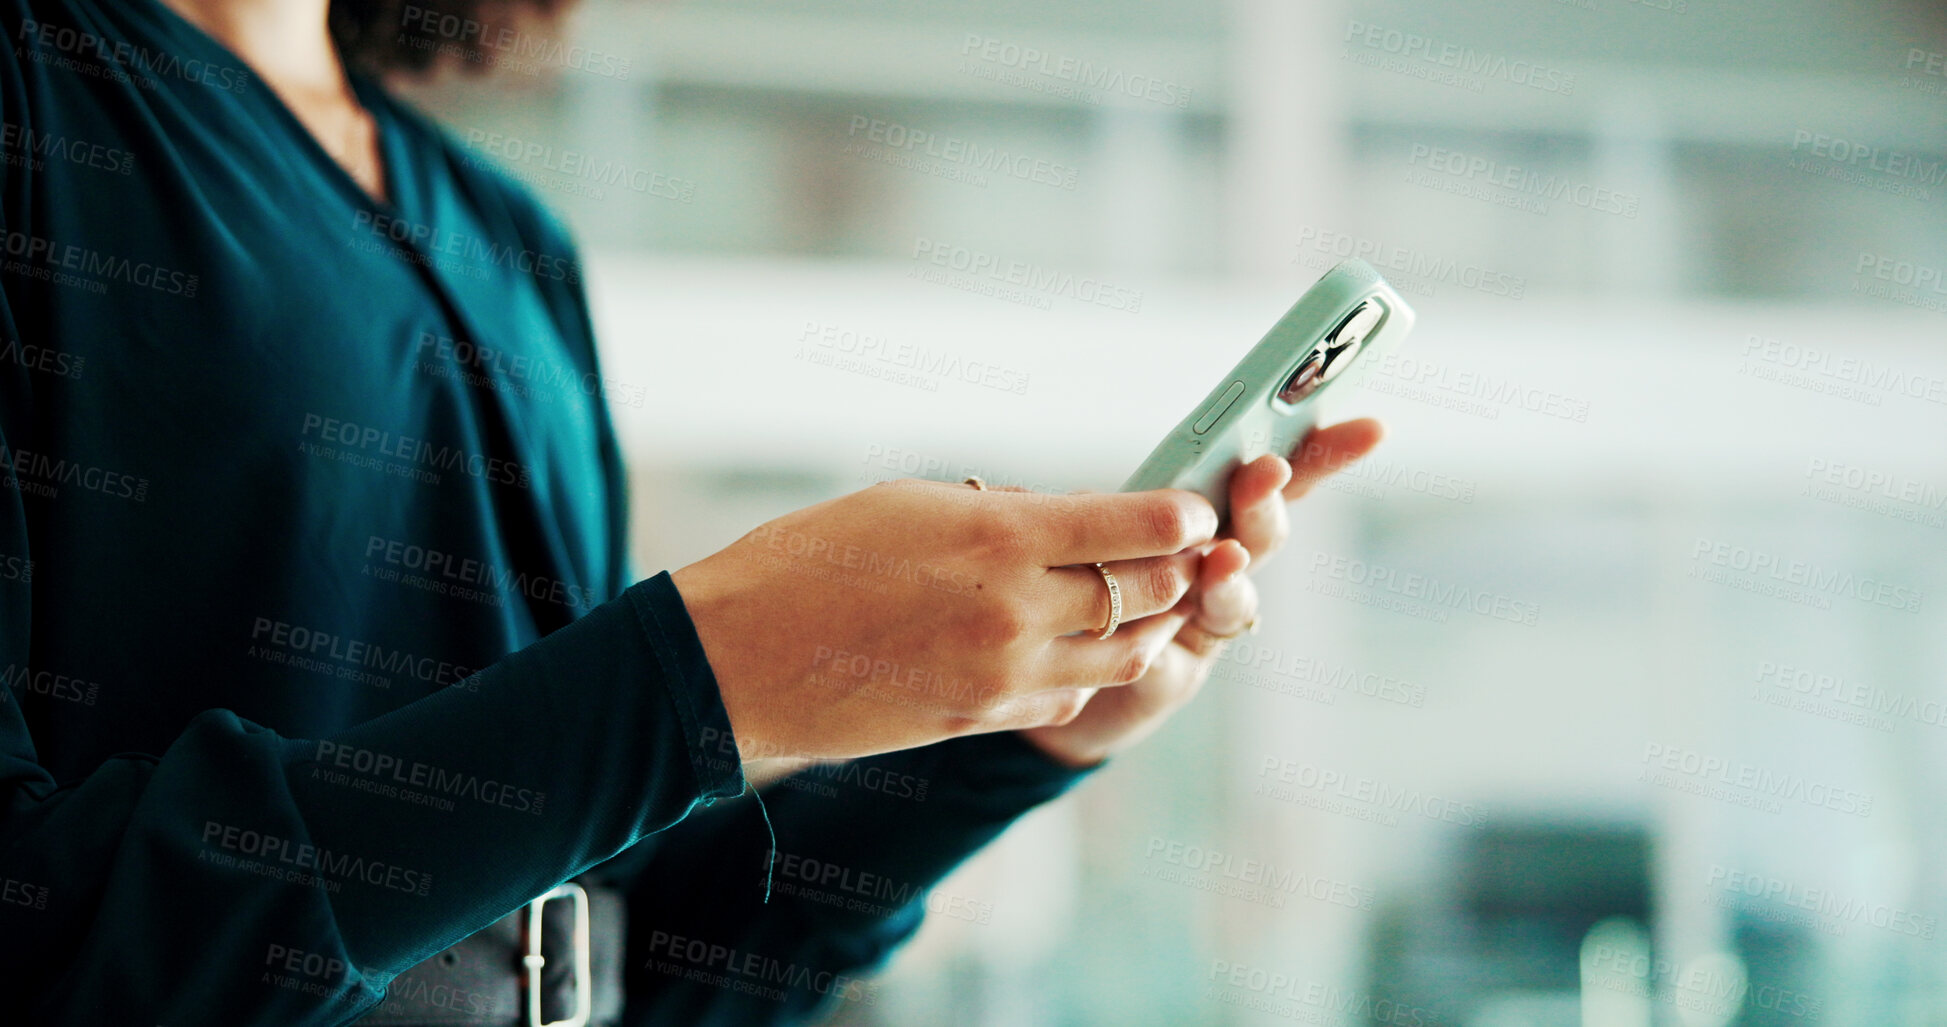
pixel 712 609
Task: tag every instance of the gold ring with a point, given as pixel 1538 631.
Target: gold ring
pixel 976 481
pixel 1115 603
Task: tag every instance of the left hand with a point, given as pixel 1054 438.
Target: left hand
pixel 1221 603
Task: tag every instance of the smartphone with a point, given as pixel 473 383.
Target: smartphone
pixel 1271 398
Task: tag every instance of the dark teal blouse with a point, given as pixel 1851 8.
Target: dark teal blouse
pixel 316 624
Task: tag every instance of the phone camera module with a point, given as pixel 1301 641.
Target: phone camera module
pixel 1336 353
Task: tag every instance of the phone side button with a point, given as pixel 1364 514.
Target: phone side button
pixel 1218 408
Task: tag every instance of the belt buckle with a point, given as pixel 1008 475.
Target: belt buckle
pixel 534 960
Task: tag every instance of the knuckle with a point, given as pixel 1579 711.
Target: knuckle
pixel 1133 666
pixel 956 725
pixel 1068 709
pixel 997 625
pixel 1005 537
pixel 1166 520
pixel 988 693
pixel 1158 582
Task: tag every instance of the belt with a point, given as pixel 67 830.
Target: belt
pixel 556 962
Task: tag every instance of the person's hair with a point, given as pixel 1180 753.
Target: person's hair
pixel 379 36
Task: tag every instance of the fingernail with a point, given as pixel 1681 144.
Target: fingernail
pixel 1246 554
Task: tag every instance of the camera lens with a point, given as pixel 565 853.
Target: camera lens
pixel 1342 345
pixel 1307 378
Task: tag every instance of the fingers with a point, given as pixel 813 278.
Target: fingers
pixel 1147 586
pixel 1327 450
pixel 1042 709
pixel 1227 601
pixel 1097 528
pixel 1084 660
pixel 1258 517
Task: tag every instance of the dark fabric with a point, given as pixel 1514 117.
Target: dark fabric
pixel 859 845
pixel 317 643
pixel 282 694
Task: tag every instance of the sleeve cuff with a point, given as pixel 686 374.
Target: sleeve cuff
pixel 693 689
pixel 1004 768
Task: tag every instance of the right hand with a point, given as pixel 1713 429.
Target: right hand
pixel 914 611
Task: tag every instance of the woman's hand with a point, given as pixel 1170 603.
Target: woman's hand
pixel 1223 602
pixel 913 611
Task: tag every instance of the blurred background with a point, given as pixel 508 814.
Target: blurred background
pixel 1662 741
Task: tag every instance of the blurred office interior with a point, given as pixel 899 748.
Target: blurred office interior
pixel 1672 427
